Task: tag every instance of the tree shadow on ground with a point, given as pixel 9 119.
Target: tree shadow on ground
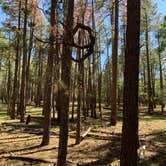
pixel 107 114
pixel 38 150
pixel 14 137
pixel 112 153
pixel 18 139
pixel 112 137
pixel 158 159
pixel 153 116
pixel 19 150
pixel 158 146
pixel 34 127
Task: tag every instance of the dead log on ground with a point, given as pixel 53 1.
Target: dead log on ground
pixel 86 133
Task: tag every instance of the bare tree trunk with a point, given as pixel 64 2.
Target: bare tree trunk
pixel 131 80
pixel 15 87
pixel 19 81
pixel 99 93
pixel 153 85
pixel 108 71
pixel 48 82
pixel 89 90
pixel 93 97
pixel 22 104
pixel 161 75
pixel 150 100
pixel 79 98
pixel 73 90
pixel 114 67
pixel 65 92
pixel 9 87
pixel 28 66
pixel 144 77
pixel 100 79
pixel 39 79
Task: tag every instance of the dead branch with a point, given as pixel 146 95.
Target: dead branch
pixel 86 133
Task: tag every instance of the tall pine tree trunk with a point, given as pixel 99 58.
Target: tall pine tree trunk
pixel 161 75
pixel 150 100
pixel 65 78
pixel 28 66
pixel 114 67
pixel 130 108
pixel 22 104
pixel 79 96
pixel 48 82
pixel 93 95
pixel 15 87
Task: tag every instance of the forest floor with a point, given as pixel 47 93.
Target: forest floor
pixel 20 143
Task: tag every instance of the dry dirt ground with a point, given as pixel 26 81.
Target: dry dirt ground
pixel 20 143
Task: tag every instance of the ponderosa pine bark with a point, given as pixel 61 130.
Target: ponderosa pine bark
pixel 9 87
pixel 39 79
pixel 48 82
pixel 150 96
pixel 22 104
pixel 15 87
pixel 153 82
pixel 79 96
pixel 73 92
pixel 108 68
pixel 114 67
pixel 129 141
pixel 161 74
pixel 28 64
pixel 93 94
pixel 65 78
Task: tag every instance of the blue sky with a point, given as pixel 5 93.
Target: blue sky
pixel 160 3
pixel 161 6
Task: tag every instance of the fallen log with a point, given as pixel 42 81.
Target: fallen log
pixel 86 133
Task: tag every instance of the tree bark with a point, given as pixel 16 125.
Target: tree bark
pixel 79 98
pixel 15 87
pixel 150 100
pixel 28 66
pixel 9 87
pixel 48 82
pixel 22 104
pixel 39 79
pixel 93 97
pixel 114 67
pixel 65 92
pixel 161 75
pixel 129 141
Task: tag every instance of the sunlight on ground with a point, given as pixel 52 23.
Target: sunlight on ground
pixel 100 148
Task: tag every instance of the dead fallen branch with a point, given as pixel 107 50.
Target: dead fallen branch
pixel 86 133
